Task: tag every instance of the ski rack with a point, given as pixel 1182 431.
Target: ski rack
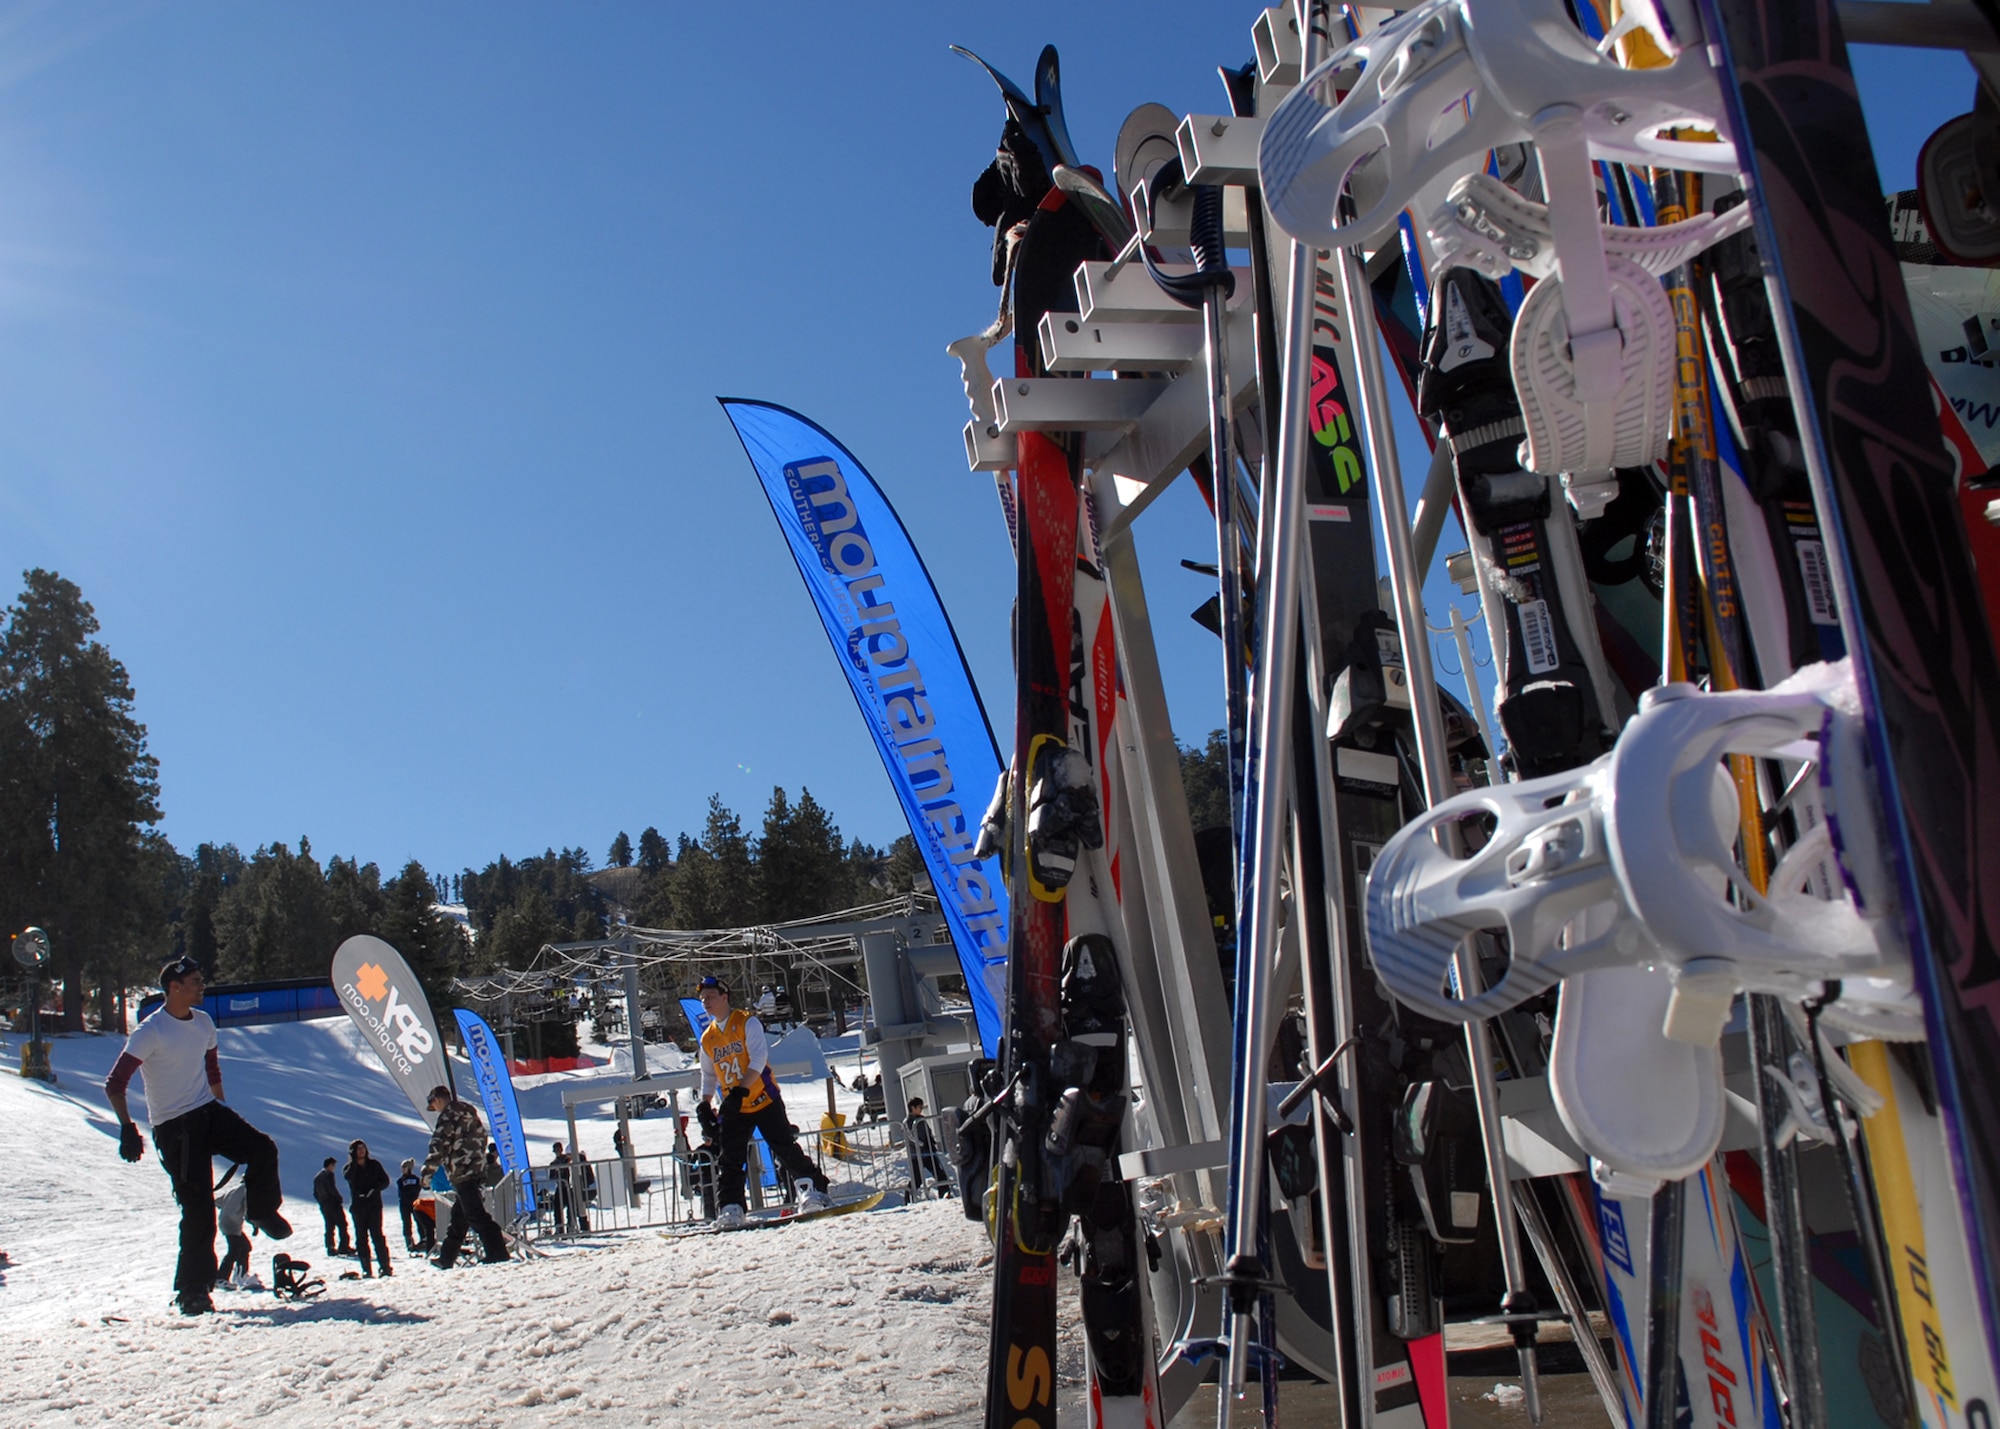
pixel 1138 434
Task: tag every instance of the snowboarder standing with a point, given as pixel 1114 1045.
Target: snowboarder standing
pixel 458 1145
pixel 173 1051
pixel 367 1179
pixel 326 1195
pixel 410 1186
pixel 736 1061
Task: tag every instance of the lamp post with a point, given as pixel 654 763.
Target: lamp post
pixel 31 951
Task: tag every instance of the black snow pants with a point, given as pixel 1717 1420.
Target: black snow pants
pixel 188 1146
pixel 734 1144
pixel 468 1212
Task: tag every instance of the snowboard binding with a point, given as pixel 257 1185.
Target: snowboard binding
pixel 1428 68
pixel 289 1279
pixel 1062 816
pixel 1629 862
pixel 1488 227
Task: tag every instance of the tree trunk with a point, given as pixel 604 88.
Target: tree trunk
pixel 72 992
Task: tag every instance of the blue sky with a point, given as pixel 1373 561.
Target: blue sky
pixel 359 364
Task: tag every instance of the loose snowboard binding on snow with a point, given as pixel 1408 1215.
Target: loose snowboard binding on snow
pixel 289 1279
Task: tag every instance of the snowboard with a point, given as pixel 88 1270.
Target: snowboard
pixel 1916 627
pixel 774 1216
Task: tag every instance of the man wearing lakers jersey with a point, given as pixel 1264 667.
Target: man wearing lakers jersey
pixel 736 1062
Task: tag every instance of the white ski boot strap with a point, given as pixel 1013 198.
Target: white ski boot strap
pixel 1573 423
pixel 1487 226
pixel 1629 862
pixel 1450 80
pixel 1634 1099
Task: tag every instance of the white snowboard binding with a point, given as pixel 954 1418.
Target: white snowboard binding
pixel 1629 862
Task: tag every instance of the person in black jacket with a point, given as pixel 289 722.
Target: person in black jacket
pixel 326 1193
pixel 926 1163
pixel 585 1177
pixel 367 1179
pixel 419 1230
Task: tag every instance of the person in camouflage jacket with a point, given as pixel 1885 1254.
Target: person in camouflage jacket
pixel 458 1143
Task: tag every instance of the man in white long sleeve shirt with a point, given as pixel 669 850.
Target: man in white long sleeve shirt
pixel 173 1051
pixel 736 1061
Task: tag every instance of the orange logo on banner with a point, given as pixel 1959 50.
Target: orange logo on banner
pixel 372 982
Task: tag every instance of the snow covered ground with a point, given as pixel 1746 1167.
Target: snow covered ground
pixel 868 1321
pixel 878 1319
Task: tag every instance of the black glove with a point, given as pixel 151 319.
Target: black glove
pixel 131 1145
pixel 732 1105
pixel 705 1114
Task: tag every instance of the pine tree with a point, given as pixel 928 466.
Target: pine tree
pixel 355 902
pixel 802 869
pixel 559 878
pixel 861 871
pixel 1205 776
pixel 276 921
pixel 621 851
pixel 692 900
pixel 905 868
pixel 77 788
pixel 159 898
pixel 653 854
pixel 735 872
pixel 432 944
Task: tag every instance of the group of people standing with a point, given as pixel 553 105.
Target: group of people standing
pixel 469 1164
pixel 173 1052
pixel 367 1179
pixel 572 1187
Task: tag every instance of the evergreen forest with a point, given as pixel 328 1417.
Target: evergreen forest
pixel 81 856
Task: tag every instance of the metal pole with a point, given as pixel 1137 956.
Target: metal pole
pixel 632 1027
pixel 1571 1302
pixel 1666 1238
pixel 1406 585
pixel 1228 554
pixel 1784 1199
pixel 1461 634
pixel 1265 807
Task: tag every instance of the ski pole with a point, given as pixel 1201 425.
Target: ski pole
pixel 1315 825
pixel 1265 805
pixel 1209 288
pixel 1666 1239
pixel 1406 588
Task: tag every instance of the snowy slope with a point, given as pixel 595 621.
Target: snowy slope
pixel 857 1321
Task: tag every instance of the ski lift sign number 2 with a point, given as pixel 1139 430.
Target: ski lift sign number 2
pixel 31 948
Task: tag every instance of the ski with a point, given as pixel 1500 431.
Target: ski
pixel 1047 813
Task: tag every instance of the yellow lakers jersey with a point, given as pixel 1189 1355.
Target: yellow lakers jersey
pixel 725 1043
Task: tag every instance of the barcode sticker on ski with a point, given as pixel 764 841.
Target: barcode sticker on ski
pixel 1538 636
pixel 1818 582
